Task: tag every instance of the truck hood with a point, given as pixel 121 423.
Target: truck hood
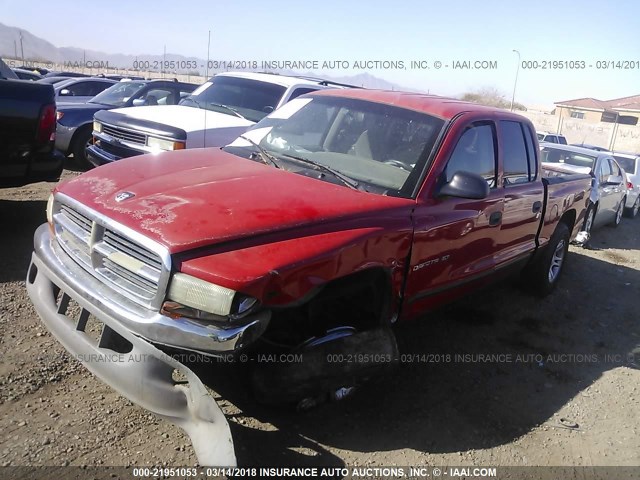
pixel 189 119
pixel 195 198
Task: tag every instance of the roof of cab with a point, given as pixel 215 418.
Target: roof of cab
pixel 443 107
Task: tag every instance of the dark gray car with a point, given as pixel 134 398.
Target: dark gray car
pixel 609 191
pixel 81 90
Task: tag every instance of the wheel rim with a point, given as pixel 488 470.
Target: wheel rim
pixel 636 207
pixel 556 261
pixel 619 212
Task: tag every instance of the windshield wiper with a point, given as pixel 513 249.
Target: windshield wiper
pixel 265 156
pixel 227 107
pixel 189 99
pixel 348 181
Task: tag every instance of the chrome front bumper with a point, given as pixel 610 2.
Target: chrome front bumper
pixel 113 309
pixel 129 364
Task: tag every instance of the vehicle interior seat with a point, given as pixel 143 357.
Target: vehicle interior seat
pixel 151 100
pixel 362 147
pixel 171 99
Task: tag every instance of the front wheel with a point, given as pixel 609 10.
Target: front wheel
pixel 633 211
pixel 618 217
pixel 544 274
pixel 80 144
pixel 589 219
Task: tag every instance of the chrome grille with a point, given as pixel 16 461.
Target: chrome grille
pixel 126 265
pixel 127 135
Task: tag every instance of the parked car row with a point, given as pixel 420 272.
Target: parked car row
pixel 613 192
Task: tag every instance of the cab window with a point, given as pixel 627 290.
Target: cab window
pixel 475 152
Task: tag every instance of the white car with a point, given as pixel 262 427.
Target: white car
pixel 630 163
pixel 551 137
pixel 214 115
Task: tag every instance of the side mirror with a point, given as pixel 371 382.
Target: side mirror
pixel 465 185
pixel 138 102
pixel 65 92
pixel 614 180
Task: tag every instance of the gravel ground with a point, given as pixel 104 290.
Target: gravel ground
pixel 562 388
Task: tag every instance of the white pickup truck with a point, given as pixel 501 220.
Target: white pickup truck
pixel 214 115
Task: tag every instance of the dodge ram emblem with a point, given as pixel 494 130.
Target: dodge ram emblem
pixel 122 196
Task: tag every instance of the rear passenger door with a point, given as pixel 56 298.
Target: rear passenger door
pixel 522 189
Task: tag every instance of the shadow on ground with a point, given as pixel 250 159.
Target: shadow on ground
pixel 20 218
pixel 451 399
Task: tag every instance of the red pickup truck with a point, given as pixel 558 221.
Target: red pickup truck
pixel 334 217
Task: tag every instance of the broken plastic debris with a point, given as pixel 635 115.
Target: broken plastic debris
pixel 582 238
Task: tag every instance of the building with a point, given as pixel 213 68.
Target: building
pixel 625 110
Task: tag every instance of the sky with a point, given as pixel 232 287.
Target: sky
pixel 567 33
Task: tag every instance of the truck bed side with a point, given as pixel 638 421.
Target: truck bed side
pixel 566 196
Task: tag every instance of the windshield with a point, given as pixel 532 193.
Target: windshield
pixel 540 136
pixel 119 94
pixel 251 99
pixel 381 148
pixel 627 164
pixel 551 155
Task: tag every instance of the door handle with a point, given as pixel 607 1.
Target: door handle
pixel 537 206
pixel 495 218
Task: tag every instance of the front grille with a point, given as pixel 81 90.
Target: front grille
pixel 120 151
pixel 126 135
pixel 126 265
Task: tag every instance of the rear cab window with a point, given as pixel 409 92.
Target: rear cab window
pixel 518 155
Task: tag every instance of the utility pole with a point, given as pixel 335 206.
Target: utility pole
pixel 513 97
pixel 21 46
pixel 15 49
pixel 164 59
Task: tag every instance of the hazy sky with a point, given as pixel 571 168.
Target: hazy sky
pixel 445 31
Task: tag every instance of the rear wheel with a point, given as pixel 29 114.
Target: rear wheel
pixel 633 211
pixel 544 274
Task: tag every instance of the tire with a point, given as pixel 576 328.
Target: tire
pixel 544 274
pixel 633 211
pixel 618 217
pixel 589 219
pixel 80 143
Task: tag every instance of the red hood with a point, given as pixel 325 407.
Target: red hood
pixel 200 197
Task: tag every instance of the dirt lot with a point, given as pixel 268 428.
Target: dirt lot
pixel 563 387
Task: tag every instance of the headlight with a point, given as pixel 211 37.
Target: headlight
pixel 97 127
pixel 191 297
pixel 50 209
pixel 160 144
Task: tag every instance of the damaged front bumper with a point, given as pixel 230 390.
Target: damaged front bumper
pixel 131 365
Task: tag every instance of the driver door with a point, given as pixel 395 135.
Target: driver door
pixel 456 239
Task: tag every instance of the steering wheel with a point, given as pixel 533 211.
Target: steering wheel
pixel 399 164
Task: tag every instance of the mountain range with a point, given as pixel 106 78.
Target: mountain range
pixel 17 43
